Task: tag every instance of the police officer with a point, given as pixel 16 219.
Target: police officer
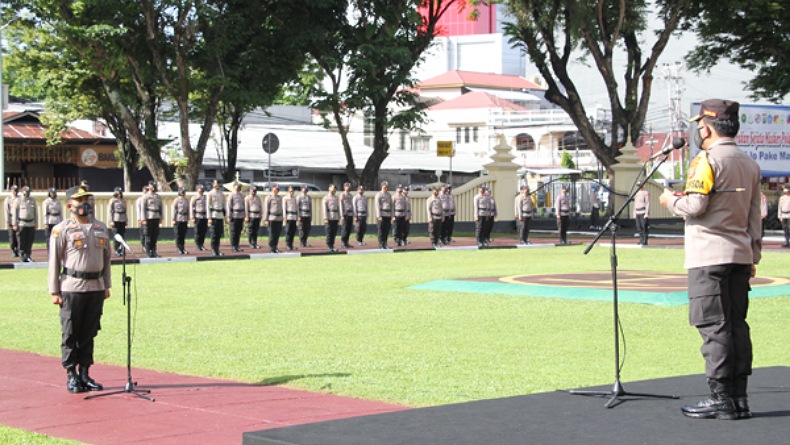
pixel 138 205
pixel 273 217
pixel 523 208
pixel 448 204
pixel 482 206
pixel 291 207
pixel 79 282
pixel 198 213
pixel 331 206
pixel 783 213
pixel 489 223
pixel 595 202
pixel 215 200
pixel 407 221
pixel 84 184
pixel 347 214
pixel 642 213
pixel 152 204
pixel 180 219
pixel 235 212
pixel 9 204
pixel 562 205
pixel 53 212
pixel 723 246
pixel 435 217
pixel 305 216
pixel 399 215
pixel 383 203
pixel 25 219
pixel 360 206
pixel 253 212
pixel 118 218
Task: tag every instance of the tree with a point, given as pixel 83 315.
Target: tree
pixel 752 35
pixel 553 33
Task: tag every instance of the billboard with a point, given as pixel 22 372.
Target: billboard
pixel 764 135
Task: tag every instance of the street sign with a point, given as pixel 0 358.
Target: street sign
pixel 444 149
pixel 271 143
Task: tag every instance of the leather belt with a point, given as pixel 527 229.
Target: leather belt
pixel 82 275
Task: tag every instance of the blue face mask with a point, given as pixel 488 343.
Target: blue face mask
pixel 83 209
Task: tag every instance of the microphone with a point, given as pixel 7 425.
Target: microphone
pixel 677 143
pixel 119 238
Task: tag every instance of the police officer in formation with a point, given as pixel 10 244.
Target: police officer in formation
pixel 291 207
pixel 198 213
pixel 642 213
pixel 253 212
pixel 235 213
pixel 399 212
pixel 138 205
pixel 436 217
pixel 153 218
pixel 53 212
pixel 180 219
pixel 273 217
pixel 383 203
pixel 331 207
pixel 523 207
pixel 79 282
pixel 8 205
pixel 783 213
pixel 448 204
pixel 216 215
pixel 483 210
pixel 562 205
pixel 24 219
pixel 360 207
pixel 489 227
pixel 305 204
pixel 595 202
pixel 407 222
pixel 118 217
pixel 347 214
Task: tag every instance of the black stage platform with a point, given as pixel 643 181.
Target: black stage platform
pixel 558 418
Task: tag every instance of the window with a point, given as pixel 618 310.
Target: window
pixel 466 135
pixel 458 135
pixel 524 142
pixel 474 134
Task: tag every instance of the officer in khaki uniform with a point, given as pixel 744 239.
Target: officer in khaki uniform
pixel 9 204
pixel 180 219
pixel 641 214
pixel 305 203
pixel 383 203
pixel 331 206
pixel 523 208
pixel 562 205
pixel 118 218
pixel 436 217
pixel 291 207
pixel 482 209
pixel 215 200
pixel 138 206
pixel 198 213
pixel 253 212
pixel 235 212
pixel 399 215
pixel 360 206
pixel 347 215
pixel 79 282
pixel 448 203
pixel 152 204
pixel 783 213
pixel 25 218
pixel 407 221
pixel 273 217
pixel 53 212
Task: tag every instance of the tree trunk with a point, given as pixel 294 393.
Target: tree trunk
pixel 370 174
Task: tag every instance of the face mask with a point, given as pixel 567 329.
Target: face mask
pixel 698 138
pixel 83 209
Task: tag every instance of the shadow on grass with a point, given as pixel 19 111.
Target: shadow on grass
pixel 281 380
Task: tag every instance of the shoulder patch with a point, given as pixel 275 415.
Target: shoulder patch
pixel 56 232
pixel 700 175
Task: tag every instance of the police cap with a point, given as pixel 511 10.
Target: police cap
pixel 720 109
pixel 81 192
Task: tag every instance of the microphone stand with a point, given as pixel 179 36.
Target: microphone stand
pixel 130 385
pixel 618 390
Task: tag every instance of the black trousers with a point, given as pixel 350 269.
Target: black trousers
pixel 786 228
pixel 120 229
pixel 331 232
pixel 385 224
pixel 13 240
pixel 406 230
pixel 435 230
pixel 718 305
pixel 152 235
pixel 362 228
pixel 562 227
pixel 201 227
pixel 642 227
pixel 594 217
pixel 346 229
pixel 290 233
pixel 400 223
pixel 236 226
pixel 26 236
pixel 253 227
pixel 180 233
pixel 305 224
pixel 447 228
pixel 217 232
pixel 80 321
pixel 480 230
pixel 523 229
pixel 488 226
pixel 275 228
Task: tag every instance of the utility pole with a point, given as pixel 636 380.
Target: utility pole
pixel 677 125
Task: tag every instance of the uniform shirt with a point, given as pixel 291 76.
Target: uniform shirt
pixel 493 206
pixel 235 206
pixel 331 204
pixel 291 206
pixel 216 204
pixel 180 209
pixel 562 205
pixel 408 207
pixel 448 203
pixel 305 206
pixel 383 202
pixel 360 205
pixel 399 205
pixel 347 204
pixel 273 208
pixel 783 210
pixel 25 212
pixel 721 228
pixel 82 248
pixel 523 206
pixel 152 204
pixel 642 203
pixel 138 205
pixel 197 207
pixel 53 211
pixel 253 207
pixel 10 203
pixel 434 207
pixel 118 210
pixel 482 206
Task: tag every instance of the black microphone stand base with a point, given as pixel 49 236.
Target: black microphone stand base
pixel 616 393
pixel 128 389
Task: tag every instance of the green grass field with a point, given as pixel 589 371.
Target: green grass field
pixel 348 324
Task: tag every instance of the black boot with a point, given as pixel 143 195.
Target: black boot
pixel 87 381
pixel 719 406
pixel 73 383
pixel 740 398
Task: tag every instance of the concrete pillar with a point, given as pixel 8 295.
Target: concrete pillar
pixel 626 172
pixel 503 171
